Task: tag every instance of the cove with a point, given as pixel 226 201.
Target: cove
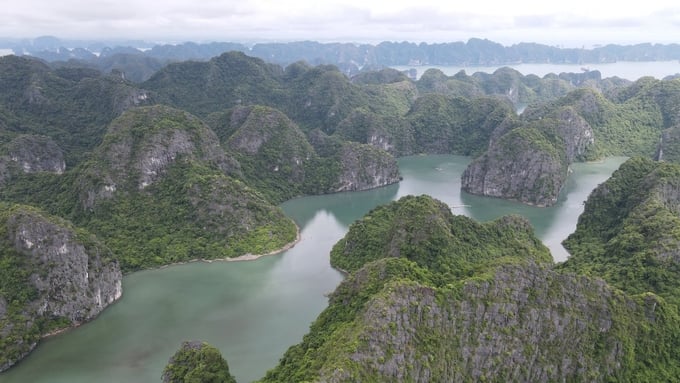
pixel 254 310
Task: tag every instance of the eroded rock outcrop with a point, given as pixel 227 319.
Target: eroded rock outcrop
pixel 529 160
pixel 36 154
pixel 668 148
pixel 522 323
pixel 523 166
pixel 437 297
pixel 365 167
pixel 31 154
pixel 54 277
pixel 141 145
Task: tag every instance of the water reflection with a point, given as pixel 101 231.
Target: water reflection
pixel 253 311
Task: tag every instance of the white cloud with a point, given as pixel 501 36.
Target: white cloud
pixel 573 22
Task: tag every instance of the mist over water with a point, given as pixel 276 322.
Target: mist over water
pixel 629 70
pixel 253 311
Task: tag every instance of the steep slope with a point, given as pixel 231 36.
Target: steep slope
pixel 668 148
pixel 277 158
pixel 197 362
pixel 524 165
pixel 628 127
pixel 139 148
pixel 425 231
pixel 320 97
pixel 52 276
pixel 30 154
pixel 71 107
pixel 445 125
pixel 392 134
pixel 225 81
pixel 580 126
pixel 501 314
pixel 163 170
pixel 629 232
pixel 529 163
pixel 273 152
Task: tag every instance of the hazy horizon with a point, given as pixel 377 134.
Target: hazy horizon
pixel 576 24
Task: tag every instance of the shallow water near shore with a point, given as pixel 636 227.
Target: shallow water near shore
pixel 254 310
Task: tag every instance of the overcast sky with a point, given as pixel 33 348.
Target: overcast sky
pixel 570 23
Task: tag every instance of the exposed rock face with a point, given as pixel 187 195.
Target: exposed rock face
pixel 366 128
pixel 74 278
pixel 575 131
pixel 527 160
pixel 271 144
pixel 524 324
pixel 365 167
pixel 36 154
pixel 463 302
pixel 521 166
pixel 140 146
pixel 31 154
pixel 78 284
pixel 634 215
pixel 668 148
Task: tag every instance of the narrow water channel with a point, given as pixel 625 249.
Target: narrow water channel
pixel 254 310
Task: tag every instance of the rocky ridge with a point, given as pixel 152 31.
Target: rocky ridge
pixel 63 277
pixel 31 154
pixel 668 149
pixel 141 145
pixel 503 314
pixel 529 161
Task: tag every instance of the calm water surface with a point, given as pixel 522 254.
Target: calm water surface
pixel 628 70
pixel 253 311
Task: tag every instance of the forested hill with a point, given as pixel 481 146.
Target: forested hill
pixel 349 57
pixel 191 163
pixel 437 297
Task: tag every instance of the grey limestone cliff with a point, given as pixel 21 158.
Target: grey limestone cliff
pixel 521 323
pixel 31 154
pixel 575 132
pixel 668 148
pixel 60 277
pixel 36 154
pixel 365 167
pixel 521 166
pixel 141 145
pixel 529 161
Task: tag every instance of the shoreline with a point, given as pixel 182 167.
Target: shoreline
pixel 240 258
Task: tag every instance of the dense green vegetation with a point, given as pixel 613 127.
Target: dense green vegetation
pixel 442 124
pixel 160 185
pixel 158 191
pixel 197 362
pixel 425 231
pixel 414 240
pixel 629 127
pixel 22 321
pixel 73 109
pixel 193 213
pixel 428 293
pixel 629 233
pixel 274 154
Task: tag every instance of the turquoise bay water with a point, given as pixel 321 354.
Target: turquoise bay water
pixel 254 310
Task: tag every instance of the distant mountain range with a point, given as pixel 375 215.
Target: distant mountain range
pixel 349 57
